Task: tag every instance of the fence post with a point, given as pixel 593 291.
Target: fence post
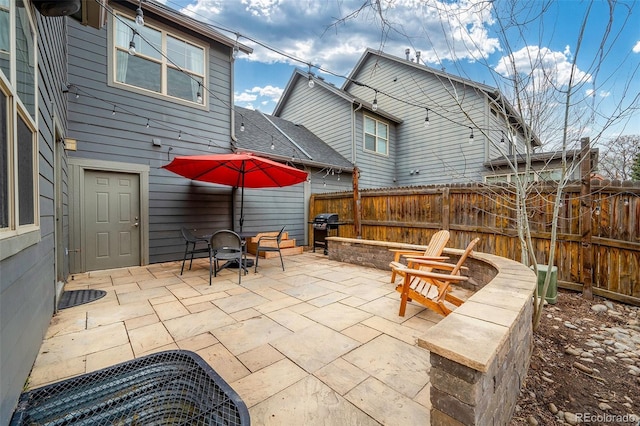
pixel 357 210
pixel 585 219
pixel 446 208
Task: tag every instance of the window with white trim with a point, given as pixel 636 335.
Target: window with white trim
pixel 18 135
pixel 376 136
pixel 163 63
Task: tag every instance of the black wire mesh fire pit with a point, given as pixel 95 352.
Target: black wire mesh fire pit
pixel 166 388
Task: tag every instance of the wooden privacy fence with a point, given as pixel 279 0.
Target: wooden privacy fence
pixel 598 244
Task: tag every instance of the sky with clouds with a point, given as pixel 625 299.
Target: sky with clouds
pixel 478 40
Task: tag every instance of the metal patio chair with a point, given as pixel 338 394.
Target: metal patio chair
pixel 269 244
pixel 191 242
pixel 227 246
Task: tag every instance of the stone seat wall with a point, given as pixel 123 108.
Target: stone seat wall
pixel 479 353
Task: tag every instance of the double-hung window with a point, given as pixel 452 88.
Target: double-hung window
pixel 376 136
pixel 18 136
pixel 163 64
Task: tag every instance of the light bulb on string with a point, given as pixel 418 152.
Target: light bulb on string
pixel 273 146
pixel 147 123
pixel 374 105
pixel 236 48
pixel 132 48
pixel 242 126
pixel 311 82
pixel 426 120
pixel 199 94
pixel 502 139
pixel 180 135
pixel 114 110
pixel 471 135
pixel 139 15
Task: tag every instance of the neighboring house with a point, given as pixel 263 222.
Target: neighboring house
pixel 402 123
pixel 545 166
pixel 285 141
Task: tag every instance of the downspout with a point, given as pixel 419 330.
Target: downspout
pixel 353 134
pixel 234 139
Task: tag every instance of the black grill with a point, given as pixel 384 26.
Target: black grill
pixel 324 225
pixel 166 388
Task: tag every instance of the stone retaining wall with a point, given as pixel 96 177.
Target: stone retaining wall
pixel 479 353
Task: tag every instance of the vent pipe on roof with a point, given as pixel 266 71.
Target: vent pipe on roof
pixel 418 53
pixel 407 52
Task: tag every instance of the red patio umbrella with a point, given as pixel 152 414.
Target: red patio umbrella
pixel 241 170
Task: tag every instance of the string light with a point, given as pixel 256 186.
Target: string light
pixel 374 105
pixel 180 135
pixel 147 123
pixel 132 44
pixel 311 83
pixel 242 125
pixel 273 146
pixel 139 15
pixel 114 110
pixel 426 120
pixel 471 135
pixel 502 138
pixel 199 94
pixel 236 48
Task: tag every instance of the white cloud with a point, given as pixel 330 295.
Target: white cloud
pixel 245 97
pixel 262 94
pixel 636 48
pixel 543 64
pixel 313 32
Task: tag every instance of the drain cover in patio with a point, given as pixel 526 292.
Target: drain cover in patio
pixel 79 297
pixel 166 388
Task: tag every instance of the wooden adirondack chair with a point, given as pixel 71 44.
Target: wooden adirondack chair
pixel 433 252
pixel 430 288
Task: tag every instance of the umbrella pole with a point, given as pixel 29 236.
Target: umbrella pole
pixel 242 197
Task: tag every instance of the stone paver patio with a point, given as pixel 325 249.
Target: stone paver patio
pixel 320 343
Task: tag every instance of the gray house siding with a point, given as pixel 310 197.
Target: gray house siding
pixel 124 137
pixel 28 278
pixel 324 114
pixel 442 152
pixel 376 170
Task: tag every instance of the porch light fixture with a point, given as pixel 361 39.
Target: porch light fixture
pixel 471 135
pixel 426 120
pixel 139 15
pixel 374 105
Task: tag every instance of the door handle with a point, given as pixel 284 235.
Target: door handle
pixel 135 225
